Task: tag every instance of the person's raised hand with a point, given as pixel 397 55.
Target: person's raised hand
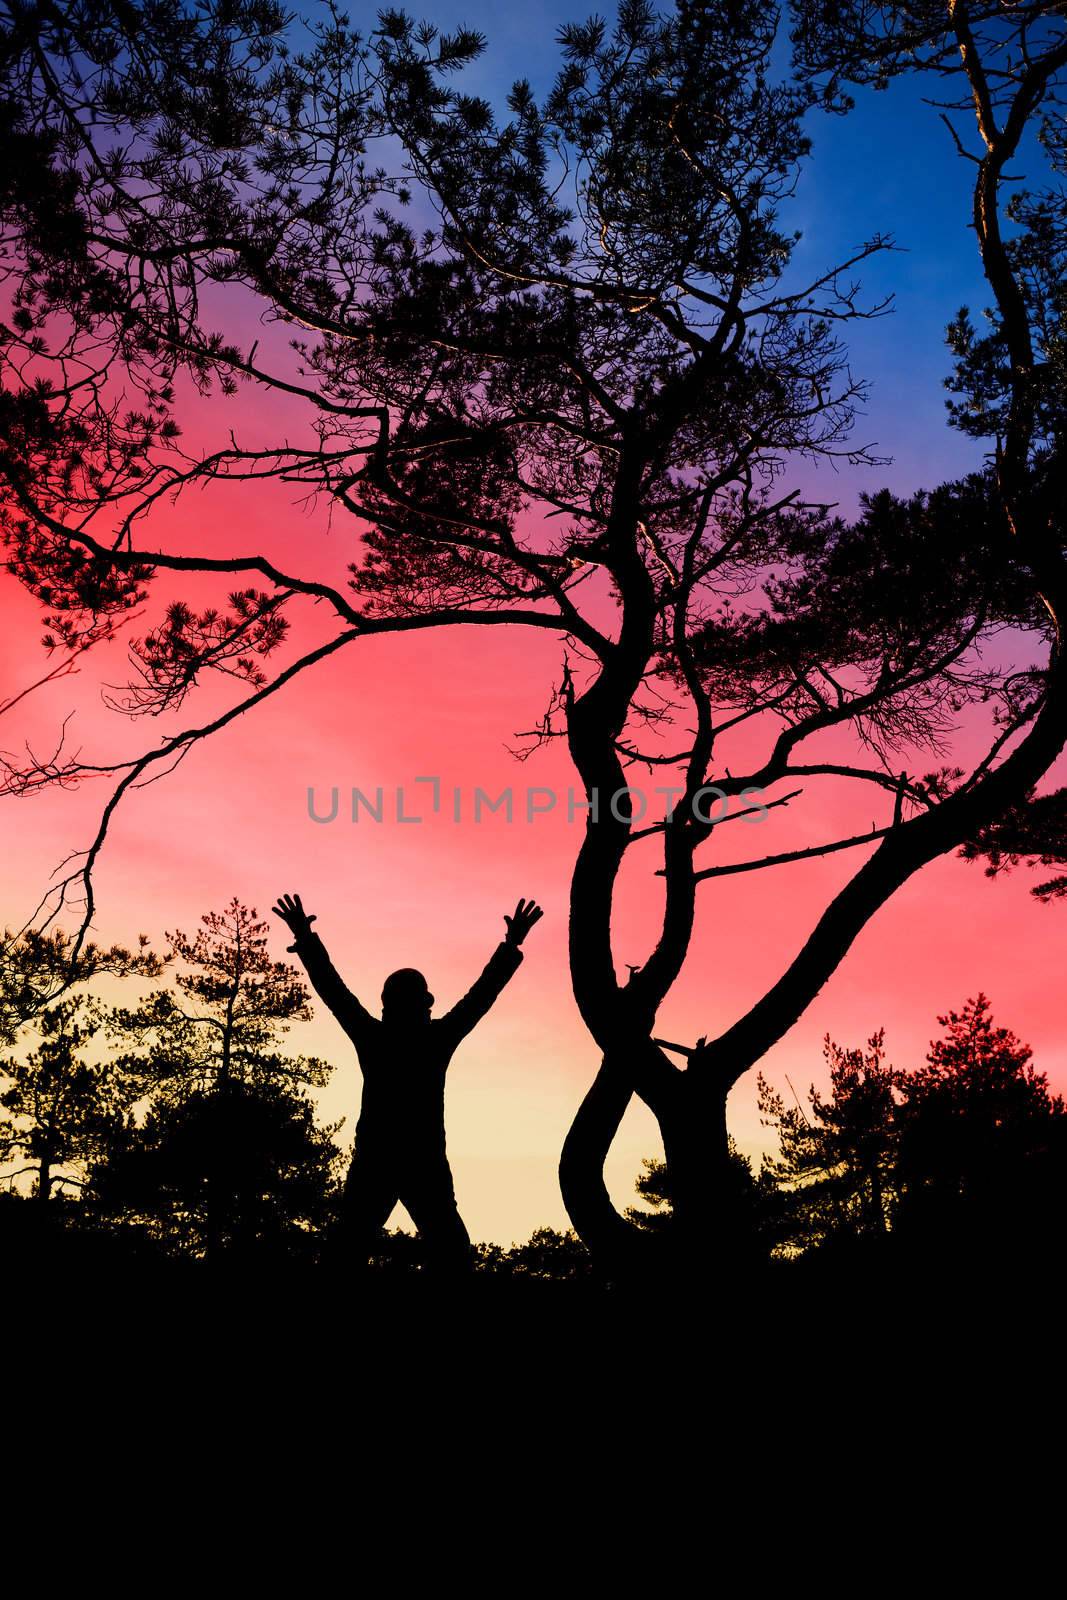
pixel 292 913
pixel 522 919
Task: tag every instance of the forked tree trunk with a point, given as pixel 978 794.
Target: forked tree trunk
pixel 708 1240
pixel 691 1109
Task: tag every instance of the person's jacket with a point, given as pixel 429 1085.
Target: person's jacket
pixel 404 1063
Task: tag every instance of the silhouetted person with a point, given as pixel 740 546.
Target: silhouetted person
pixel 404 1055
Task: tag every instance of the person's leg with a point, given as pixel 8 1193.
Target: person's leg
pixel 369 1195
pixel 431 1201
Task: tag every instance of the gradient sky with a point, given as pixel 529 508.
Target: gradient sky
pixel 233 819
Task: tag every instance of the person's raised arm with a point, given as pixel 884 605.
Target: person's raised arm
pixel 502 965
pixel 325 979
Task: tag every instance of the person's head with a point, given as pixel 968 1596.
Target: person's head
pixel 406 997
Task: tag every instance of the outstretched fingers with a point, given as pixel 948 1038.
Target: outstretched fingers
pixel 290 908
pixel 522 919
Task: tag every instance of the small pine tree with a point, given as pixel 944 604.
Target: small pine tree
pixel 835 1170
pixel 981 1133
pixel 223 1025
pixel 229 1158
pixel 63 1109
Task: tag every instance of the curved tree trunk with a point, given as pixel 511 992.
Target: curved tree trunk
pixel 614 1244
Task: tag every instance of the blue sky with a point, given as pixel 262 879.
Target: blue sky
pixel 889 167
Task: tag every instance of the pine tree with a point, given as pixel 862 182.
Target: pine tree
pixel 229 1156
pixel 65 1106
pixel 835 1170
pixel 224 1024
pixel 982 1140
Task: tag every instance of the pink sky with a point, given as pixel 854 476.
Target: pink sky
pixel 233 820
